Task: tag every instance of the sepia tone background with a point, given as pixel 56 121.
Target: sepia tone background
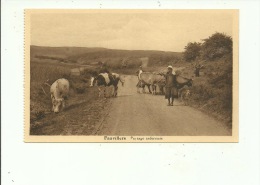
pixel 132 29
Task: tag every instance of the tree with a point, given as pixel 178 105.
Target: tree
pixel 192 51
pixel 216 46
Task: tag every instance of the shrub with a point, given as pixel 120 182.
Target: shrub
pixel 192 51
pixel 216 46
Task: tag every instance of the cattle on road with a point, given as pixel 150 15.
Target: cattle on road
pixel 182 81
pixel 104 80
pixel 153 80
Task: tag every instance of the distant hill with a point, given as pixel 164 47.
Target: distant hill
pixel 62 52
pixel 85 55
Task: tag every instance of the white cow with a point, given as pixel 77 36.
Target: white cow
pixel 59 90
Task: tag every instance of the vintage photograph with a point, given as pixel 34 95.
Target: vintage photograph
pixel 131 75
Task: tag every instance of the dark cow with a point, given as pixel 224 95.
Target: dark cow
pixel 182 81
pixel 105 80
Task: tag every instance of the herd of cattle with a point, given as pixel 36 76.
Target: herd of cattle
pixel 59 90
pixel 155 80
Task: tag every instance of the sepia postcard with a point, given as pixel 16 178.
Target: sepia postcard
pixel 131 75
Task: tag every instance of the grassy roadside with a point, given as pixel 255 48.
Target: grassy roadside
pixel 212 91
pixel 40 102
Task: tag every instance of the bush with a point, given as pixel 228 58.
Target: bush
pixel 213 47
pixel 192 51
pixel 216 46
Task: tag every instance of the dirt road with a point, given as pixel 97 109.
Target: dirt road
pixel 145 114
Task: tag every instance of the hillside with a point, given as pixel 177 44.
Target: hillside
pixel 92 56
pixel 62 52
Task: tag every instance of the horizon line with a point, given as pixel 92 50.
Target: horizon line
pixel 106 48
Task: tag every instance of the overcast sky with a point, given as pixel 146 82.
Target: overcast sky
pixel 167 31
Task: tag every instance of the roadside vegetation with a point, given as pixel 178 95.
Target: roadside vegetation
pixel 43 74
pixel 212 90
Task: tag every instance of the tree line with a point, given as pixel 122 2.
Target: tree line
pixel 210 49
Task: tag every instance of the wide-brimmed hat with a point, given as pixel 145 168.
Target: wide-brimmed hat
pixel 169 67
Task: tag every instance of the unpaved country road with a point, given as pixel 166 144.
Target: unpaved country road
pixel 133 114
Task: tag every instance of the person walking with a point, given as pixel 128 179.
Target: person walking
pixel 139 83
pixel 170 86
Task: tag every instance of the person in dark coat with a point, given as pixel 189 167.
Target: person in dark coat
pixel 197 67
pixel 170 86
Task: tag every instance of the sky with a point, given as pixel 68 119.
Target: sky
pixel 140 30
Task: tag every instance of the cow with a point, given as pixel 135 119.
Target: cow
pixel 182 81
pixel 105 80
pixel 141 85
pixel 157 80
pixel 184 94
pixel 151 79
pixel 59 91
pixel 182 85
